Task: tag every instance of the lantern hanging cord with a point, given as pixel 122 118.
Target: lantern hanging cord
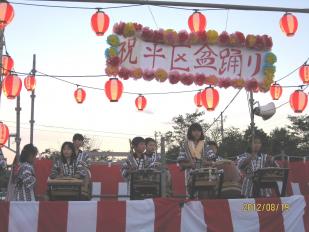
pixel 224 110
pixel 112 7
pixel 73 7
pixel 289 74
pixel 101 89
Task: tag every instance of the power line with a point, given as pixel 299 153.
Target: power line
pixel 76 129
pixel 223 110
pixel 73 7
pixel 290 73
pixel 195 5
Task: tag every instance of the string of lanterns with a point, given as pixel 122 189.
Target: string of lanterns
pixel 197 22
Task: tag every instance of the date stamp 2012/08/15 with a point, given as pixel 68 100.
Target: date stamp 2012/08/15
pixel 265 207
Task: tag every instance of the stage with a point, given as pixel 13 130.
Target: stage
pixel 164 215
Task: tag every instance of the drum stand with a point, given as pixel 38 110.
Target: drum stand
pixel 260 183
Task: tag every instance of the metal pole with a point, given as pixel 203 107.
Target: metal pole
pixel 163 175
pixel 252 118
pixel 32 102
pixel 192 4
pixel 1 54
pixel 17 138
pixel 222 131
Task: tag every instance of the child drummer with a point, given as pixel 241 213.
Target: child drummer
pixel 153 160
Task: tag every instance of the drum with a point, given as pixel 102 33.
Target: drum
pixel 145 183
pixel 264 178
pixel 231 186
pixel 267 175
pixel 65 189
pixel 204 182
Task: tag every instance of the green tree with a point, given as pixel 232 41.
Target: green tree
pixel 233 143
pixel 282 140
pixel 300 129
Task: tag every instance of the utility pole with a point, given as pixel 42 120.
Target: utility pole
pixel 1 54
pixel 163 174
pixel 17 138
pixel 33 72
pixel 222 130
pixel 252 118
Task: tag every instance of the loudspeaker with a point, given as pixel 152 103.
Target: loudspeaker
pixel 266 112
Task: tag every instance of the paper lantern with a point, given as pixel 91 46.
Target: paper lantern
pixel 7 64
pixel 11 86
pixel 210 98
pixel 80 95
pixel 30 82
pixel 99 23
pixel 288 24
pixel 197 22
pixel 298 101
pixel 113 89
pixel 6 14
pixel 4 134
pixel 140 102
pixel 275 91
pixel 198 99
pixel 304 73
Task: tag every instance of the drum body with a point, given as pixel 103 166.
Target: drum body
pixel 203 183
pixel 231 186
pixel 67 189
pixel 144 184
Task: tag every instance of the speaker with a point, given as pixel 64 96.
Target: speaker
pixel 266 112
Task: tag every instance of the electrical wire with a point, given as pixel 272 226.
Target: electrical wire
pixel 224 110
pixel 73 7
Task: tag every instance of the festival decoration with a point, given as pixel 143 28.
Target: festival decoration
pixel 4 134
pixel 79 95
pixel 11 86
pixel 197 22
pixel 298 101
pixel 30 82
pixel 6 14
pixel 140 102
pixel 113 89
pixel 198 99
pixel 99 23
pixel 275 91
pixel 7 64
pixel 203 57
pixel 288 24
pixel 304 73
pixel 210 98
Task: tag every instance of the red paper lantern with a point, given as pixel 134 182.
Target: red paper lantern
pixel 6 14
pixel 197 22
pixel 7 64
pixel 288 24
pixel 275 91
pixel 210 98
pixel 198 99
pixel 4 134
pixel 140 102
pixel 80 95
pixel 30 82
pixel 113 89
pixel 100 22
pixel 298 101
pixel 11 86
pixel 304 73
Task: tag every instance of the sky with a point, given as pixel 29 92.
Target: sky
pixel 65 44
